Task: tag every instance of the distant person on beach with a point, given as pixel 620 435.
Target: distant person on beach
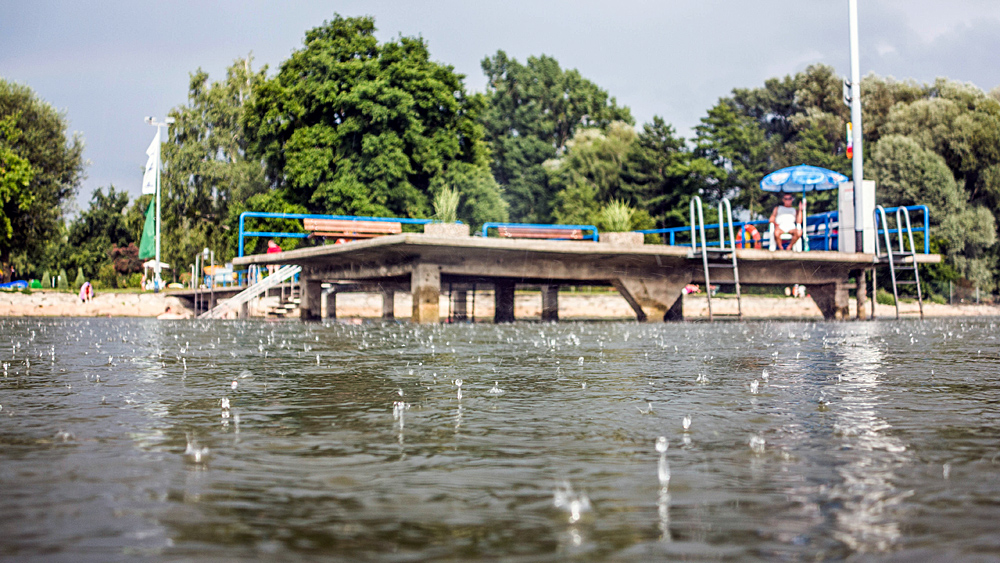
pixel 272 248
pixel 86 292
pixel 169 314
pixel 786 218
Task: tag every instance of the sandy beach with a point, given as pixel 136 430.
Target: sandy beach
pixel 528 305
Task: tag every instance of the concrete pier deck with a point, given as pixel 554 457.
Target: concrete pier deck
pixel 650 277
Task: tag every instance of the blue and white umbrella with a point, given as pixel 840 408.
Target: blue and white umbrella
pixel 802 178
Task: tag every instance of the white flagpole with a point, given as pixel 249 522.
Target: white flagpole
pixel 158 269
pixel 157 279
pixel 858 160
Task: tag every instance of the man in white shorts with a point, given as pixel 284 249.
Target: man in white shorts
pixel 785 219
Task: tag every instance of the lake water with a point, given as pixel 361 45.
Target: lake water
pixel 355 442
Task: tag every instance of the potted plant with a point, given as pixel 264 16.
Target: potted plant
pixel 616 224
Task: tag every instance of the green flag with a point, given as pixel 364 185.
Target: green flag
pixel 147 245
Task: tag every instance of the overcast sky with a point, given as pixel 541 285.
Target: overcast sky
pixel 108 64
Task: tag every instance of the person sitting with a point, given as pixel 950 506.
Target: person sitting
pixel 86 292
pixel 785 219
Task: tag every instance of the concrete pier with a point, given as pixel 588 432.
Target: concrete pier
pixel 651 278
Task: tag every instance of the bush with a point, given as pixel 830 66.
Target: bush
pixel 107 276
pixel 883 297
pixel 939 299
pixel 63 282
pixel 80 280
pixel 133 280
pixel 46 280
pixel 446 205
pixel 616 217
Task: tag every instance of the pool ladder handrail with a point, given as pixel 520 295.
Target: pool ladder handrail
pixel 698 227
pixel 901 214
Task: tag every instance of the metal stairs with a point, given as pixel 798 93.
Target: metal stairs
pixel 723 256
pixel 900 262
pixel 251 292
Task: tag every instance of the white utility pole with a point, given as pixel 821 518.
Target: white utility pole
pixel 858 160
pixel 157 277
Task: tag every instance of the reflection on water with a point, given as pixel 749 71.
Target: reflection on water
pixel 250 440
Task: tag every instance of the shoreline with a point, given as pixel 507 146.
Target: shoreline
pixel 572 306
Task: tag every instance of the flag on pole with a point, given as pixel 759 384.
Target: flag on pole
pixel 147 244
pixel 850 140
pixel 149 176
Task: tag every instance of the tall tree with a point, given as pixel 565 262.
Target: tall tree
pixel 351 126
pixel 35 133
pixel 661 174
pixel 533 110
pixel 96 230
pixel 207 170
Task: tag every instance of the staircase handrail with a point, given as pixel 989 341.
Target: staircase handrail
pixel 252 291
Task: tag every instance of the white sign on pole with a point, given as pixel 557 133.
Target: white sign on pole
pixel 149 176
pixel 846 217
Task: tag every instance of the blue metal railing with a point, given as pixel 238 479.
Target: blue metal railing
pixel 820 228
pixel 924 230
pixel 269 234
pixel 594 236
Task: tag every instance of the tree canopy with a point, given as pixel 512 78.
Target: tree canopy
pixel 352 126
pixel 41 170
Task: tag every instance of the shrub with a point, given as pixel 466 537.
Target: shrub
pixel 46 280
pixel 883 297
pixel 616 217
pixel 63 283
pixel 939 299
pixel 80 280
pixel 132 280
pixel 107 276
pixel 446 205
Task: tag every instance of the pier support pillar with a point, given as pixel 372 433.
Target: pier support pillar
pixel 310 306
pixel 550 303
pixel 654 299
pixel 388 304
pixel 503 297
pixel 245 310
pixel 331 304
pixel 862 292
pixel 425 286
pixel 833 300
pixel 461 310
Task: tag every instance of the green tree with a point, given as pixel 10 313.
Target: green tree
pixel 207 168
pixel 532 111
pixel 351 126
pixel 15 178
pixel 96 230
pixel 660 174
pixel 735 147
pixel 590 172
pixel 56 164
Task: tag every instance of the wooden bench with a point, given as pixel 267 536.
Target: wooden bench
pixel 348 229
pixel 540 233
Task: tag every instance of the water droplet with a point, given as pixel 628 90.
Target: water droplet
pixel 753 386
pixel 580 360
pixel 757 444
pixel 764 375
pixel 661 444
pixel 234 385
pixel 686 423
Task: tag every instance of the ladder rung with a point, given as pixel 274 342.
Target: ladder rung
pixel 905 282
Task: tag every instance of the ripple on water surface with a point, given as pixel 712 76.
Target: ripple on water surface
pixel 167 440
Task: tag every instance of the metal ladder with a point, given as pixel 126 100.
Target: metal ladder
pixel 721 257
pixel 908 258
pixel 251 292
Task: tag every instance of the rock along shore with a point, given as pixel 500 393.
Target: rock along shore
pixel 528 306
